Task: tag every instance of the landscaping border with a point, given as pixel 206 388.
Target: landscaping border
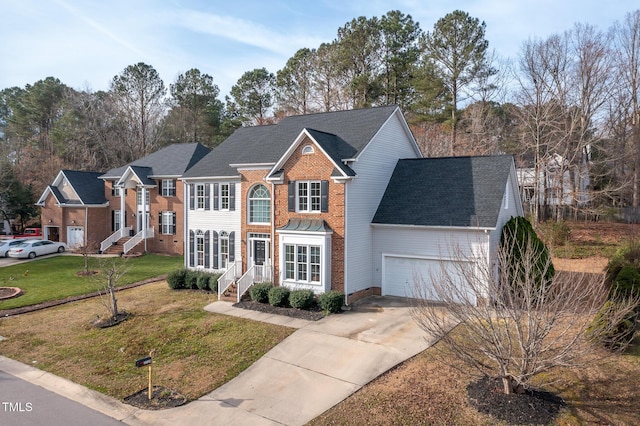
pixel 44 305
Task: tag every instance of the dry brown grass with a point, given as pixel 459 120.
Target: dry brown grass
pixel 196 351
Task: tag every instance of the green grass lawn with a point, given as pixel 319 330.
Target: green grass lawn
pixel 52 278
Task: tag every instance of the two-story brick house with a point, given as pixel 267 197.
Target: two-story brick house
pixel 138 205
pixel 295 202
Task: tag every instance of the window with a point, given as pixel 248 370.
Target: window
pixel 302 263
pixel 168 188
pixel 224 196
pixel 199 248
pixel 168 223
pixel 309 196
pixel 307 149
pixel 115 190
pixel 139 196
pixel 259 205
pixel 224 250
pixel 200 196
pixel 116 223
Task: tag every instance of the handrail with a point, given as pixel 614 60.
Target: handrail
pixel 255 274
pixel 120 233
pixel 227 278
pixel 129 245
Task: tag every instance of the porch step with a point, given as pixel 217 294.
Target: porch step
pixel 116 248
pixel 231 294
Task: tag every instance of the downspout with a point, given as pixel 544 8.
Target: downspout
pixel 185 222
pixel 86 226
pixel 273 233
pixel 344 255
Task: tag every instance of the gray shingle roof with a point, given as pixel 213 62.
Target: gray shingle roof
pixel 452 191
pixel 88 186
pixel 173 160
pixel 306 225
pixel 352 130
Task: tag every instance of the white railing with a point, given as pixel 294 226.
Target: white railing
pixel 120 233
pixel 228 278
pixel 255 274
pixel 129 245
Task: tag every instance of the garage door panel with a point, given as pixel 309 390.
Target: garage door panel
pixel 412 277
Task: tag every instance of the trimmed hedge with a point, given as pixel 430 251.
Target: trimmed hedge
pixel 260 292
pixel 301 299
pixel 176 279
pixel 331 301
pixel 184 278
pixel 279 296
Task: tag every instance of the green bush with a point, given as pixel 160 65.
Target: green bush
pixel 518 238
pixel 176 279
pixel 301 299
pixel 613 337
pixel 213 282
pixel 260 292
pixel 191 279
pixel 559 233
pixel 202 281
pixel 627 283
pixel 331 301
pixel 279 296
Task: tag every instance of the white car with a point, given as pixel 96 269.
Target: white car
pixel 32 248
pixel 5 245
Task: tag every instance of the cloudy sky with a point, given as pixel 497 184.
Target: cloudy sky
pixel 85 43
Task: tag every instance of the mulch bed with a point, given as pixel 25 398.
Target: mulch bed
pixel 161 398
pixel 312 314
pixel 532 407
pixel 111 321
pixel 9 292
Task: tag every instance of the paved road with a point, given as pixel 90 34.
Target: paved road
pixel 26 404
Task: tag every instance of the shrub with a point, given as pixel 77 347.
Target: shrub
pixel 331 301
pixel 626 283
pixel 301 299
pixel 191 279
pixel 202 281
pixel 176 279
pixel 279 296
pixel 559 233
pixel 615 337
pixel 213 282
pixel 260 292
pixel 517 238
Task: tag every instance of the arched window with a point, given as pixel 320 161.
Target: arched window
pixel 308 149
pixel 259 204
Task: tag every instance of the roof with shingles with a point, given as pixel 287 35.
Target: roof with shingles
pixel 451 191
pixel 173 160
pixel 88 186
pixel 344 134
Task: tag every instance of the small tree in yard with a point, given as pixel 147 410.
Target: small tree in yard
pixel 112 269
pixel 507 322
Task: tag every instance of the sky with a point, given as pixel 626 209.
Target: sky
pixel 85 43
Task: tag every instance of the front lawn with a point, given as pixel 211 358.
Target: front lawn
pixel 52 278
pixel 195 351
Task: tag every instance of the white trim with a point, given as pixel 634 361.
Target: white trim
pixel 209 178
pixel 454 228
pixel 251 166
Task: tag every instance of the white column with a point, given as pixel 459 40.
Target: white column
pixel 123 218
pixel 144 217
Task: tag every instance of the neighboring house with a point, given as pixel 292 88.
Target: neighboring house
pixel 74 208
pixel 557 185
pixel 139 205
pixel 294 202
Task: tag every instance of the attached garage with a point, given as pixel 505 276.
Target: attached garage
pixel 406 276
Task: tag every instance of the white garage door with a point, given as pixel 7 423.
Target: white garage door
pixel 75 236
pixel 402 275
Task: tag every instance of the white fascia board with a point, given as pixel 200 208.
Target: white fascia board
pixel 251 166
pixel 209 178
pixel 301 136
pixel 437 228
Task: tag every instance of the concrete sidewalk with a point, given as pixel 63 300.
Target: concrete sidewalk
pixel 316 367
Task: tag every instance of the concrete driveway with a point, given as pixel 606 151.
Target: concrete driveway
pixel 319 365
pixel 312 370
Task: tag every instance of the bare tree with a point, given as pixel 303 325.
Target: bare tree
pixel 112 269
pixel 512 324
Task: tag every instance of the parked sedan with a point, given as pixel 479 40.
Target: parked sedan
pixel 31 249
pixel 6 245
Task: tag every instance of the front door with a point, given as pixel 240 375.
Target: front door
pixel 259 252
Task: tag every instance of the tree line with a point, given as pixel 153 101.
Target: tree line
pixel 567 106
